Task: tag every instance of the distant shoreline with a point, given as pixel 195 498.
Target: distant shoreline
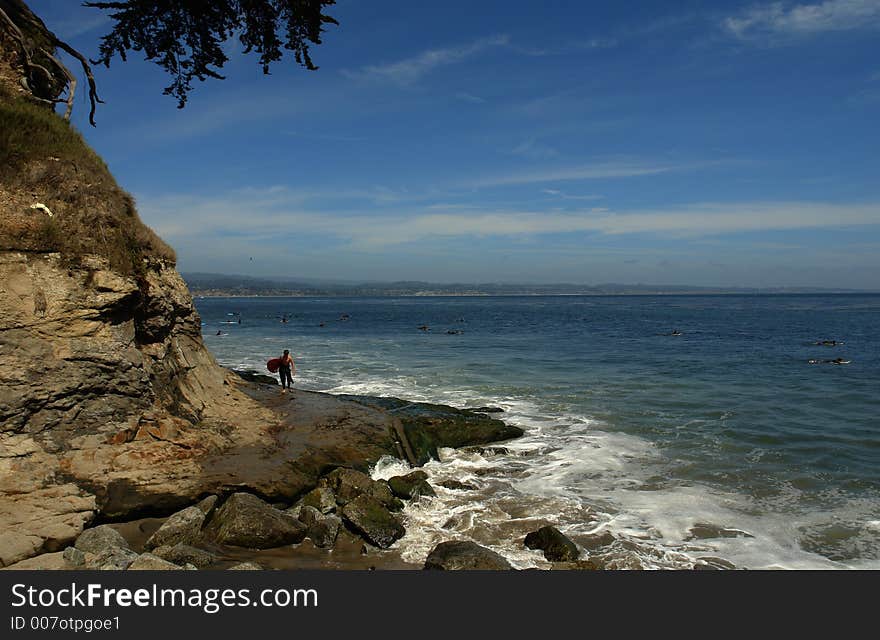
pixel 214 294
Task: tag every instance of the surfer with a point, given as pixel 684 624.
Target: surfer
pixel 285 370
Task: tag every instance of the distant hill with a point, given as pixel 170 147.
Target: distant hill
pixel 213 284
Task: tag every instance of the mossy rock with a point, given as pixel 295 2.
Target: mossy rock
pixel 369 519
pixel 429 427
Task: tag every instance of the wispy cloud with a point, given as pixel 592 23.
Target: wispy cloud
pixel 783 19
pixel 74 27
pixel 410 70
pixel 469 97
pixel 556 193
pixel 278 214
pixel 531 148
pixel 597 171
pixel 567 48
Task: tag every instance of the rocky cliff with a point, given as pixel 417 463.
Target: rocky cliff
pixel 111 407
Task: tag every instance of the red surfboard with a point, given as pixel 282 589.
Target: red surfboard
pixel 273 365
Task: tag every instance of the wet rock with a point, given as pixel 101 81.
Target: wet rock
pixel 150 562
pixel 556 546
pixel 465 555
pixel 246 566
pixel 428 427
pixel 182 554
pixel 111 559
pixel 703 531
pixel 322 529
pixel 348 484
pixel 321 498
pixel 592 564
pixel 246 521
pixel 487 410
pixel 411 486
pixel 712 563
pixel 252 376
pixel 455 485
pixel 369 518
pixel 488 452
pixel 597 540
pixel 184 527
pixel 99 539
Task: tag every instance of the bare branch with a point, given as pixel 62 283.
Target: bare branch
pixel 93 89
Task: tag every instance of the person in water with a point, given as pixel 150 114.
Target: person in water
pixel 286 369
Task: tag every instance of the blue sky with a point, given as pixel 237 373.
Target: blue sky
pixel 700 143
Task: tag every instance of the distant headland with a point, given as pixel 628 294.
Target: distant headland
pixel 224 285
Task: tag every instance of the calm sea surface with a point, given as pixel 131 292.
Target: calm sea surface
pixel 722 443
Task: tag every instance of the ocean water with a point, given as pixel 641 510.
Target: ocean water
pixel 721 445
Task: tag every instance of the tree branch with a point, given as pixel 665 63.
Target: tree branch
pixel 93 89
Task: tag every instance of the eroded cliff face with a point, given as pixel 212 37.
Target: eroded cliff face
pixel 111 407
pixel 89 360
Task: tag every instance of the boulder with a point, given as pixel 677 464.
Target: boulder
pixel 375 523
pixel 184 527
pixel 556 546
pixel 246 566
pixel 182 554
pixel 99 539
pixel 322 529
pixel 458 555
pixel 348 484
pixel 74 557
pixel 597 540
pixel 412 485
pixel 246 521
pixel 321 498
pixel 111 559
pixel 207 505
pixel 456 485
pixel 150 562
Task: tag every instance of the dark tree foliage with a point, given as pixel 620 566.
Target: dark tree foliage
pixel 185 37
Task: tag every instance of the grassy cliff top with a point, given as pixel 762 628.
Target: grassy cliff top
pixel 44 160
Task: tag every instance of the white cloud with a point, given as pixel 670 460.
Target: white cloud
pixel 787 20
pixel 410 70
pixel 595 171
pixel 469 97
pixel 567 196
pixel 272 217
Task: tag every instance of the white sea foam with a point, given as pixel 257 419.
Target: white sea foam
pixel 575 472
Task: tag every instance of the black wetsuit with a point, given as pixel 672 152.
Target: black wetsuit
pixel 284 372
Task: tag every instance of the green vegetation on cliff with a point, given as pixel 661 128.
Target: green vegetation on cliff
pixel 44 160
